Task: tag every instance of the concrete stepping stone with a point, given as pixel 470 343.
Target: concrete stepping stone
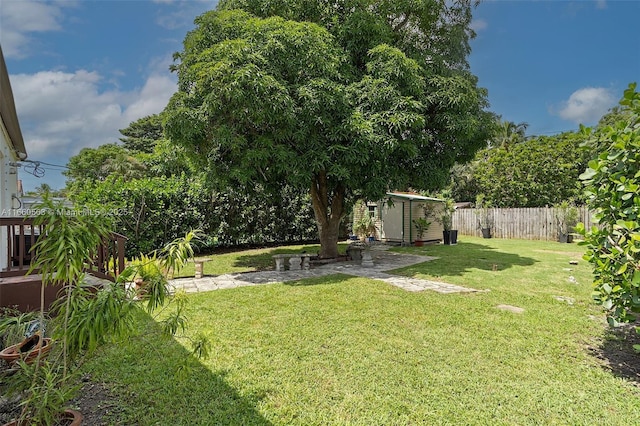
pixel 510 308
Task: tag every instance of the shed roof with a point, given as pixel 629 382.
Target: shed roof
pixel 412 196
pixel 8 111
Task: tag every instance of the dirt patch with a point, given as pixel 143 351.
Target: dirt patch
pixel 617 354
pixel 95 401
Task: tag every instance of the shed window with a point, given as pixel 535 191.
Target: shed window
pixel 373 211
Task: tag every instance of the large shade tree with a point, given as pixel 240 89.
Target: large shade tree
pixel 348 99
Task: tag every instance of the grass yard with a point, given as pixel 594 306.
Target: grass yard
pixel 352 351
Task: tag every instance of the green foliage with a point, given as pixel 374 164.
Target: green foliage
pixel 151 211
pixel 175 255
pixel 538 172
pixel 72 238
pixel 364 225
pixel 348 100
pixel 155 195
pixel 508 133
pixel 449 207
pixel 67 244
pixel 154 210
pixel 255 214
pixel 142 135
pixel 95 315
pixel 613 192
pixel 422 225
pixel 14 325
pixel 484 213
pixel 615 115
pixel 88 165
pixel 567 217
pixel 85 317
pixel 153 270
pixel 44 391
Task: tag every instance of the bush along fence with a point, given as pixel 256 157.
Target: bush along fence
pixel 538 223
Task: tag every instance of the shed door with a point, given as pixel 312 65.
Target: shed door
pixel 392 219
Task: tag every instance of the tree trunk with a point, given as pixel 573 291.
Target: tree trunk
pixel 328 207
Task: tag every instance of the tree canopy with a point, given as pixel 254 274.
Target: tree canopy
pixel 158 196
pixel 143 134
pixel 538 172
pixel 348 99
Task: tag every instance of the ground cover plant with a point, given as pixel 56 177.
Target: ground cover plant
pixel 347 350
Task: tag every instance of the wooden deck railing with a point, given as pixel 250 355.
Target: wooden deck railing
pixel 20 234
pixel 109 261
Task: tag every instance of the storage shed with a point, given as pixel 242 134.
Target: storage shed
pixel 394 217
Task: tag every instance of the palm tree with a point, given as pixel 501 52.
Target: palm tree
pixel 123 165
pixel 509 133
pixel 43 188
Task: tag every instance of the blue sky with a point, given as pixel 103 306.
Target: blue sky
pixel 555 64
pixel 81 70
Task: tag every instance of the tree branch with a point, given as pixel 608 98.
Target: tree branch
pixel 402 23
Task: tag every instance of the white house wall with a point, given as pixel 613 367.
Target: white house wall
pixel 8 188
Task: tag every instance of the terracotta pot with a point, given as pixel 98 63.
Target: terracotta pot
pixel 28 349
pixel 418 243
pixel 75 417
pixel 141 288
pixel 68 418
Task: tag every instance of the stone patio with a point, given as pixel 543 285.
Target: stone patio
pixel 383 261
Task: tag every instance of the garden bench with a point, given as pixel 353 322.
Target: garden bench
pixel 297 261
pixel 360 254
pixel 200 266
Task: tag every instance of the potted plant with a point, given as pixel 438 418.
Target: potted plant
pixel 68 246
pixel 21 335
pixel 422 225
pixel 28 350
pixel 83 317
pixel 148 273
pixel 449 236
pixel 364 226
pixel 45 392
pixel 485 218
pixel 567 217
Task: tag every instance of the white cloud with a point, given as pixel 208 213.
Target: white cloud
pixel 478 25
pixel 183 16
pixel 20 18
pixel 601 4
pixel 152 99
pixel 587 105
pixel 61 113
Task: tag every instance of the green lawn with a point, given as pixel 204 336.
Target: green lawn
pixel 353 351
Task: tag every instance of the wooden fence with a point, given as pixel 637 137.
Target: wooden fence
pixel 519 223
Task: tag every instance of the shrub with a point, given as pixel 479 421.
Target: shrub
pixel 613 191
